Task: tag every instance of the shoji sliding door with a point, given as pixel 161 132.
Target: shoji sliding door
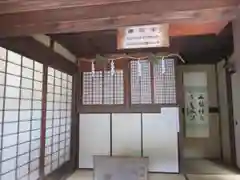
pixel 58 120
pixel 160 140
pixel 22 101
pixel 20 116
pixel 94 138
pixel 126 134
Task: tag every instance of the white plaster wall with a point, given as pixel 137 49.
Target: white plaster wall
pixel 158 130
pixel 94 138
pixel 126 134
pixel 236 85
pixel 201 147
pixel 160 140
pixel 224 113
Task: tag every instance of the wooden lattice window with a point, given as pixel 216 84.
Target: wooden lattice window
pixel 58 121
pixel 20 116
pixel 155 85
pixel 103 88
pixel 165 82
pixel 141 85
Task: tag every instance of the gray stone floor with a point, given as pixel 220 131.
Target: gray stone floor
pixel 193 169
pixel 203 166
pixel 88 175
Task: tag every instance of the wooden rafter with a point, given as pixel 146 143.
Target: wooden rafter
pixel 187 29
pixel 33 5
pixel 84 15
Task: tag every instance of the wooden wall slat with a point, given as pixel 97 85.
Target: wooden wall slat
pixel 29 47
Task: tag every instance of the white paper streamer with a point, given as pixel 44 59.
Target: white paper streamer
pixel 112 68
pixel 139 68
pixel 163 65
pixel 93 68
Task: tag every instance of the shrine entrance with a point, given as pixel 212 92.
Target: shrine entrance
pixel 118 78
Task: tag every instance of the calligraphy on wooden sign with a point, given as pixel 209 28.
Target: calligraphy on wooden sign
pixel 196 105
pixel 148 36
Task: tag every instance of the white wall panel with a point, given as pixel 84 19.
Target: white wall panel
pixel 3 53
pixel 10 128
pixel 23 148
pixel 47 169
pixel 14 57
pixel 1 88
pixel 2 78
pixel 24 137
pixel 35 144
pixel 22 171
pixel 94 138
pixel 11 104
pixel 25 115
pixel 23 159
pixel 38 76
pixel 26 94
pixel 8 165
pixel 36 114
pixel 12 92
pixel 9 152
pixel 27 62
pixel 38 66
pixel 14 69
pixel 11 116
pixel 160 140
pixel 2 65
pixel 37 95
pixel 26 72
pixel 13 81
pixel 34 175
pixel 8 176
pixel 37 85
pixel 126 134
pixel 9 140
pixel 25 104
pixel 24 126
pixel 26 83
pixel 36 124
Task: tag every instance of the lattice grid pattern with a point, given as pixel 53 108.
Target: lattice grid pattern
pixel 141 85
pixel 164 87
pixel 103 88
pixel 20 116
pixel 164 82
pixel 58 120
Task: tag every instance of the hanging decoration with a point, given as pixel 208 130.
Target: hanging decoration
pixel 163 65
pixel 101 60
pixel 139 67
pixel 112 68
pixel 93 69
pixel 153 58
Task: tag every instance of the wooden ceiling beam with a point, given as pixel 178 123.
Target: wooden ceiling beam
pixel 180 8
pixel 36 22
pixel 192 29
pixel 29 47
pixel 37 5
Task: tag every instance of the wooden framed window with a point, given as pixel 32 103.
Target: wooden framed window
pixel 103 88
pixel 21 82
pixel 156 85
pixel 58 120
